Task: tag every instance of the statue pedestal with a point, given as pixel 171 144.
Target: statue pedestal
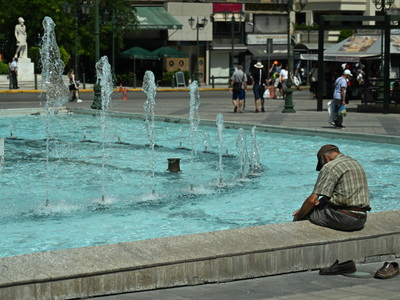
pixel 26 70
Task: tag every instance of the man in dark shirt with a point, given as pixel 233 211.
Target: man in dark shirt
pixel 260 82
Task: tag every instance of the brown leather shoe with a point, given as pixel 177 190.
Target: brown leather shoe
pixel 388 270
pixel 339 268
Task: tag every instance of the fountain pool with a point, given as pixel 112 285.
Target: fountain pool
pixel 79 150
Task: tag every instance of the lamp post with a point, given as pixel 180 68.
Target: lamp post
pixel 112 22
pixel 287 5
pixel 96 30
pixel 85 10
pixel 198 26
pixel 233 19
pixel 383 6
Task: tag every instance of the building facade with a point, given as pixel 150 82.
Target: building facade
pixel 242 32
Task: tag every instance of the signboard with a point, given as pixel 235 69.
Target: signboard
pixel 180 79
pixel 227 7
pixel 176 64
pixel 259 39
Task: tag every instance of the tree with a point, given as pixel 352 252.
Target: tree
pixel 34 12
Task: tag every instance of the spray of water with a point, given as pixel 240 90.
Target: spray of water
pixel 149 88
pixel 104 77
pixel 255 160
pixel 194 120
pixel 243 155
pixel 57 92
pixel 220 127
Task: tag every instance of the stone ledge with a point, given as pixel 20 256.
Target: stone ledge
pixel 193 259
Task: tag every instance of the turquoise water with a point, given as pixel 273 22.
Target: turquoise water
pixel 77 175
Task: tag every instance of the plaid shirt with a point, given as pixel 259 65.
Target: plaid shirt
pixel 343 180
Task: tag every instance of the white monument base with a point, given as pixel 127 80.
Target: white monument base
pixel 26 70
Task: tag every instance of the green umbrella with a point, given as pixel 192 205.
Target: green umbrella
pixel 168 52
pixel 137 52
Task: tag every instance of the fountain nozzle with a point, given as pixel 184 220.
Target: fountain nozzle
pixel 173 164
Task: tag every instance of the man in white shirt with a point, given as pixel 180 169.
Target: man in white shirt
pixel 283 78
pixel 14 73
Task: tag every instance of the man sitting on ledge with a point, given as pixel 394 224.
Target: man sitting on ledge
pixel 342 186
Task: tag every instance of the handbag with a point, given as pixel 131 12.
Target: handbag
pixel 266 94
pixel 237 87
pixel 342 110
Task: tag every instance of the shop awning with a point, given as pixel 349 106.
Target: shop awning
pixel 155 18
pixel 352 49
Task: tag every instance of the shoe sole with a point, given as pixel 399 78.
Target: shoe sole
pixel 391 276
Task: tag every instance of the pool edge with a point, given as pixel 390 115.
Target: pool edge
pixel 195 259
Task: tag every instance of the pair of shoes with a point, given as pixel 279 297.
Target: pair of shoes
pixel 257 110
pixel 235 110
pixel 79 100
pixel 340 126
pixel 262 109
pixel 388 270
pixel 339 268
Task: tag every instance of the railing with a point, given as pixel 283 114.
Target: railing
pixel 213 78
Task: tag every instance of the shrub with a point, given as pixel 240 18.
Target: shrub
pixel 126 79
pixel 4 69
pixel 344 34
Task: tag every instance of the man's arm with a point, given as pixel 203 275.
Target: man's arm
pixel 307 206
pixel 343 94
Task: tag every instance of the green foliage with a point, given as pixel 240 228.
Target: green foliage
pixel 34 12
pixel 344 34
pixel 34 55
pixel 126 79
pixel 4 69
pixel 314 26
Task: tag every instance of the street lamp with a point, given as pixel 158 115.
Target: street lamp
pixel 112 21
pixel 287 6
pixel 233 19
pixel 198 26
pixel 85 10
pixel 383 6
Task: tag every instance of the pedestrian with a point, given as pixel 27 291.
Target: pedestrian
pixel 238 88
pixel 276 80
pixel 14 73
pixel 340 199
pixel 73 86
pixel 283 76
pixel 260 83
pixel 339 98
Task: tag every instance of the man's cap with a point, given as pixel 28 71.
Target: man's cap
pixel 324 149
pixel 347 72
pixel 259 65
pixel 275 62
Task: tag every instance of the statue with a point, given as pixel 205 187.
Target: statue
pixel 20 35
